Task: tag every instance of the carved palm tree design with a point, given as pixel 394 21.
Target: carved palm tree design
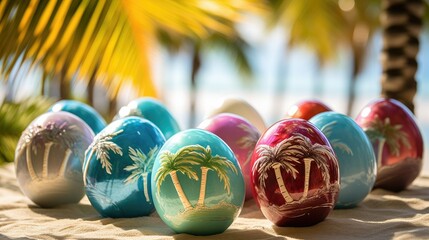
pixel 248 141
pixel 48 135
pixel 141 168
pixel 286 154
pixel 171 163
pixel 384 132
pixel 216 163
pixel 101 145
pixel 327 130
pixel 277 157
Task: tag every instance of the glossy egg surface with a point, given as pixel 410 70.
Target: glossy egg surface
pixel 307 109
pixel 118 166
pixel 49 158
pixel 356 159
pixel 295 174
pixel 197 184
pixel 397 142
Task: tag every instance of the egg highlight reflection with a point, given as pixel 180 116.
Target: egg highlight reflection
pixel 118 166
pixel 197 184
pixel 295 174
pixel 356 159
pixel 154 111
pixel 397 142
pixel 242 108
pixel 85 112
pixel 240 135
pixel 49 157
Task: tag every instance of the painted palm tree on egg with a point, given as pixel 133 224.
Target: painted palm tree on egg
pixel 277 157
pixel 48 135
pixel 141 168
pixel 171 163
pixel 383 132
pixel 335 143
pixel 101 145
pixel 302 147
pixel 216 163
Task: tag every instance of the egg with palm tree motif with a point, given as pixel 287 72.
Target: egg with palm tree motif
pixel 88 114
pixel 197 184
pixel 118 166
pixel 295 174
pixel 397 142
pixel 49 158
pixel 240 135
pixel 358 167
pixel 154 111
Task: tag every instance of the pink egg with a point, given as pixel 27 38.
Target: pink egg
pixel 240 135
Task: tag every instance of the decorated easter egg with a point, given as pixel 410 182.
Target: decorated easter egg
pixel 88 114
pixel 307 109
pixel 356 159
pixel 49 157
pixel 295 174
pixel 397 142
pixel 240 135
pixel 197 184
pixel 118 166
pixel 242 108
pixel 154 111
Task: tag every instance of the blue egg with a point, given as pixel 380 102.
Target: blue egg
pixel 356 158
pixel 88 114
pixel 118 165
pixel 197 184
pixel 154 111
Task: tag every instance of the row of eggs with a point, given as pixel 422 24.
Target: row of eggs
pixel 197 179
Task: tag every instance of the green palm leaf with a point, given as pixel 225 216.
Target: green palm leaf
pixel 14 118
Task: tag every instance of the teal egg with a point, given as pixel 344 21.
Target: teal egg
pixel 154 111
pixel 85 112
pixel 118 166
pixel 197 184
pixel 356 158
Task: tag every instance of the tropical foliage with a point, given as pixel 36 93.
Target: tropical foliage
pixel 14 118
pixel 335 143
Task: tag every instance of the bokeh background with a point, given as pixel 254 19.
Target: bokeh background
pixel 192 54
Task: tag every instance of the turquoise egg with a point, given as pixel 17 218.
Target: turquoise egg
pixel 118 165
pixel 197 184
pixel 356 158
pixel 88 114
pixel 154 111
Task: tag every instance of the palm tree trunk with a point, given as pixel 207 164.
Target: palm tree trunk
pixel 281 184
pixel 145 190
pixel 307 163
pixel 45 159
pixel 202 196
pixel 401 21
pixel 380 151
pixel 65 162
pixel 30 167
pixel 65 90
pixel 196 64
pixel 186 204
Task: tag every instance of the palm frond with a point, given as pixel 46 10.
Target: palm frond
pixel 14 118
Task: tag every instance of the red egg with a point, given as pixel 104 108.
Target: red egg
pixel 240 135
pixel 307 109
pixel 295 174
pixel 397 142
